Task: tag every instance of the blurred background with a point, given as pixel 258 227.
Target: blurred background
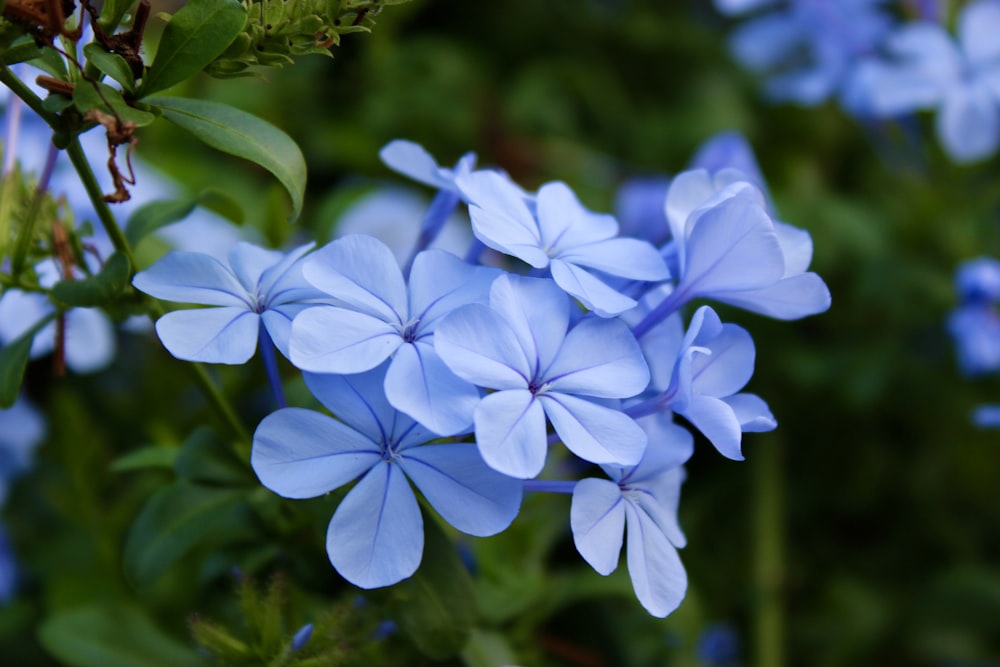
pixel 864 531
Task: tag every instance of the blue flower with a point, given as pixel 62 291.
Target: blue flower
pixel 557 233
pixel 522 346
pixel 375 537
pixel 410 159
pixel 714 363
pixel 378 316
pixel 975 328
pixel 22 429
pixel 260 290
pixel 978 280
pixel 928 69
pixel 8 569
pixel 809 48
pixel 986 415
pixel 729 249
pixel 644 497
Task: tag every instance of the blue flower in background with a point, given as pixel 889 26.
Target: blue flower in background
pixel 258 294
pixel 555 232
pixel 808 48
pixel 959 78
pixel 975 323
pixel 8 569
pixel 376 535
pixel 410 159
pixel 986 416
pixel 644 498
pixel 22 429
pixel 378 316
pixel 978 280
pixel 522 346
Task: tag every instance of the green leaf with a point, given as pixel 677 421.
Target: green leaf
pixel 154 456
pixel 112 13
pixel 111 64
pixel 204 457
pixel 113 635
pixel 156 214
pixel 175 520
pixel 241 134
pixel 102 97
pixel 223 204
pixel 13 361
pixel 98 290
pixel 435 607
pixel 197 34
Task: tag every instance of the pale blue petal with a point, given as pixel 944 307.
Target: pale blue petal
pixel 729 366
pixel 796 247
pixel 19 311
pixel 731 7
pixel 90 340
pixel 303 454
pixel 688 191
pixel 625 258
pixel 191 277
pixel 752 413
pixel 658 576
pixel 762 44
pixel 594 432
pixel 479 346
pixel 659 498
pixel 597 517
pixel 501 218
pixel 790 298
pixel 249 262
pixel 537 311
pixel 421 385
pixel 213 335
pixel 564 223
pixel 412 160
pixel 466 492
pixel 669 445
pixel 327 339
pixel 661 344
pixel 986 416
pixel 278 321
pixel 510 433
pixel 376 536
pixel 441 282
pixel 928 50
pixel 718 422
pixel 733 246
pixel 731 150
pixel 978 26
pixel 599 358
pixel 892 90
pixel 362 272
pixel 284 276
pixel 22 428
pixel 590 291
pixel 968 124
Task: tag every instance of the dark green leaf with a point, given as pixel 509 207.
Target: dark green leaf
pixel 175 520
pixel 196 35
pixel 113 635
pixel 435 607
pixel 97 290
pixel 238 133
pixel 204 457
pixel 102 97
pixel 154 456
pixel 21 52
pixel 111 64
pixel 156 214
pixel 222 203
pixel 112 12
pixel 13 361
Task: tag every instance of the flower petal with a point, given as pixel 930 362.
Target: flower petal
pixel 589 290
pixel 191 277
pixel 593 432
pixel 790 298
pixel 421 385
pixel 657 573
pixel 968 124
pixel 226 335
pixel 729 366
pixel 501 218
pixel 300 453
pixel 441 282
pixel 752 413
pixel 361 272
pixel 599 358
pixel 718 422
pixel 479 346
pixel 978 24
pixel 621 257
pixel 90 340
pixel 597 517
pixel 510 433
pixel 376 536
pixel 537 311
pixel 328 339
pixel 466 492
pixel 564 223
pixel 249 262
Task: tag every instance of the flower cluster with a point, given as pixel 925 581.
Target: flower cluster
pixel 475 382
pixel 851 50
pixel 975 326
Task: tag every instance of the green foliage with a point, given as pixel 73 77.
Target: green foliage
pixel 194 37
pixel 110 64
pixel 238 133
pixel 13 361
pixel 97 290
pixel 113 636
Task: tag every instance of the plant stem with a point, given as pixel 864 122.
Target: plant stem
pixel 86 174
pixel 27 230
pixel 769 556
pixel 18 87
